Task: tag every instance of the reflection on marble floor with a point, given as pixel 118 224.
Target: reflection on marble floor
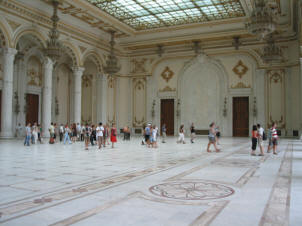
pixel 133 185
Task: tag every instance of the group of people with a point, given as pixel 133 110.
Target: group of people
pixel 33 133
pixel 258 136
pixel 150 135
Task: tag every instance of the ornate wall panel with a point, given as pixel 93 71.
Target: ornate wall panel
pixel 34 72
pixel 63 94
pixel 111 100
pixel 86 99
pixel 276 97
pixel 139 101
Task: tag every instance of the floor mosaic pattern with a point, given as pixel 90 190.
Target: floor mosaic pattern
pixel 176 184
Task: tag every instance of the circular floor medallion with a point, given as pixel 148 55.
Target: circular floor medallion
pixel 191 190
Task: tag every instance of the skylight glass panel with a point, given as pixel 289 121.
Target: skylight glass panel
pixel 148 14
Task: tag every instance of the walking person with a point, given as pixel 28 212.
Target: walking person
pixel 212 137
pixel 67 132
pixel 217 135
pixel 87 136
pixel 113 134
pixel 99 133
pixel 260 132
pixel 61 132
pixel 154 136
pixel 274 138
pixel 181 136
pixel 193 134
pixel 254 140
pixel 164 133
pixel 147 134
pixel 28 135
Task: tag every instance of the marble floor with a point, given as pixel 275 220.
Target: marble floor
pixel 176 184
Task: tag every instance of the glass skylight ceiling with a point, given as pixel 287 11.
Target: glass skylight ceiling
pixel 147 14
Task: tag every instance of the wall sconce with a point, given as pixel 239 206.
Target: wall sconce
pixel 178 108
pixel 17 105
pixel 152 109
pixel 56 106
pixel 255 107
pixel 224 112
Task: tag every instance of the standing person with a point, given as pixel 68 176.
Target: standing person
pixel 106 135
pixel 147 134
pixel 108 132
pixel 181 137
pixel 270 142
pixel 61 132
pixel 212 137
pixel 51 130
pixel 99 133
pixel 260 131
pixel 143 134
pixel 92 135
pixel 192 129
pixel 274 138
pixel 28 135
pixel 164 133
pixel 79 129
pixel 39 133
pixel 34 133
pixel 254 139
pixel 113 134
pixel 82 132
pixel 87 136
pixel 154 136
pixel 66 135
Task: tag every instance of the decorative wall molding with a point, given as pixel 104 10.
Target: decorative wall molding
pixel 167 89
pixel 240 85
pixel 240 69
pixel 139 101
pixel 138 65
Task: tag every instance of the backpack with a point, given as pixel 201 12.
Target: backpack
pixel 264 137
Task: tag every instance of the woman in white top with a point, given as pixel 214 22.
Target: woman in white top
pixel 181 137
pixel 154 137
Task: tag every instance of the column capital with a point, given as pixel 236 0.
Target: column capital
pixel 78 71
pixel 9 51
pixel 48 63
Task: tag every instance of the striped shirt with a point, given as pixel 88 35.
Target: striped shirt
pixel 274 133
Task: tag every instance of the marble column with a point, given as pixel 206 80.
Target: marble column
pixel 300 96
pixel 104 99
pixel 47 96
pixel 7 93
pixel 78 72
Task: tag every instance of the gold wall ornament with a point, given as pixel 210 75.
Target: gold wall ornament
pixel 139 65
pixel 35 77
pixel 87 80
pixel 240 69
pixel 167 74
pixel 111 82
pixel 275 77
pixel 240 85
pixel 167 89
pixel 138 123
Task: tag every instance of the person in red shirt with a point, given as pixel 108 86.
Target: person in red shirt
pixel 113 134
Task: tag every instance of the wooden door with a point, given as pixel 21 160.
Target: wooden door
pixel 32 110
pixel 240 116
pixel 167 115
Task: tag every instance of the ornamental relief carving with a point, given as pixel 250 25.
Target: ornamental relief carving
pixel 240 85
pixel 167 89
pixel 167 74
pixel 87 80
pixel 138 65
pixel 35 77
pixel 240 69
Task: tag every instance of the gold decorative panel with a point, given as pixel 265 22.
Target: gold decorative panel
pixel 138 66
pixel 139 101
pixel 240 85
pixel 240 69
pixel 276 97
pixel 167 74
pixel 167 89
pixel 87 80
pixel 34 72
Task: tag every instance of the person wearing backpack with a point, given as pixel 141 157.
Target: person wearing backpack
pixel 260 138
